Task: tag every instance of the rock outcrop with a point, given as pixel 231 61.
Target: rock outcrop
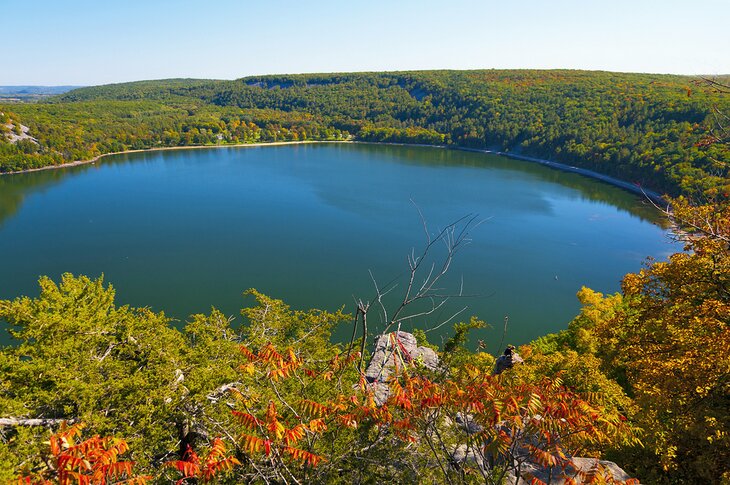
pixel 393 351
pixel 579 471
pixel 509 359
pixel 397 350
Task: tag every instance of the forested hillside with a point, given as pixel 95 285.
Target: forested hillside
pixel 95 392
pixel 648 129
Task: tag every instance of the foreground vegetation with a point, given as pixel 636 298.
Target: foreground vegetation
pixel 654 130
pixel 640 376
pixel 91 392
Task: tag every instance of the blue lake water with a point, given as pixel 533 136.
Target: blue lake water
pixel 185 230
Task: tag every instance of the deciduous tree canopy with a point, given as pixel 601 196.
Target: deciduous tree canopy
pixel 648 129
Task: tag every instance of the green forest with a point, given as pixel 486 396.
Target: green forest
pixel 95 391
pixel 652 130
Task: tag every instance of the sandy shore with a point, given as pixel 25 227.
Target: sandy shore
pixel 636 189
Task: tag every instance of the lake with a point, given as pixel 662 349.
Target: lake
pixel 185 230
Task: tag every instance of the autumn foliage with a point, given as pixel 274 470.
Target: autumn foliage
pixel 665 341
pixel 214 465
pixel 91 461
pixel 642 375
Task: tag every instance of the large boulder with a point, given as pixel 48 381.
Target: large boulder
pixel 507 360
pixel 581 471
pixel 394 351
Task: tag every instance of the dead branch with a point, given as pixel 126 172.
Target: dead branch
pixel 15 422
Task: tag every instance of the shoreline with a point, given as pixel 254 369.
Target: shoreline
pixel 76 163
pixel 622 184
pixel 655 197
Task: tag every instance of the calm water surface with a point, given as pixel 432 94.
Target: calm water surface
pixel 182 231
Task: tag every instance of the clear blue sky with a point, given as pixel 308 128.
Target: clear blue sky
pixel 54 42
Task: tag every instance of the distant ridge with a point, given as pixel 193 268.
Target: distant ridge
pixel 653 131
pixel 19 91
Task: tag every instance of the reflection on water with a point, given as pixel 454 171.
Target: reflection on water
pixel 586 188
pixel 182 230
pixel 14 188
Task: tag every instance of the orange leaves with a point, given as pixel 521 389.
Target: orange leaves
pixel 215 462
pixel 252 444
pixel 312 408
pixel 92 461
pixel 277 366
pixel 544 457
pixel 248 420
pixel 268 353
pixel 278 429
pixel 545 420
pixel 280 372
pixel 215 468
pixel 337 363
pixel 348 420
pixel 317 426
pixel 293 435
pixel 271 413
pixel 249 355
pixel 303 456
pixel 282 365
pixel 187 468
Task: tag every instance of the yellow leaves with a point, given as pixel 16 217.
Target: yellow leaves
pixel 534 404
pixel 276 428
pixel 281 372
pixel 670 339
pixel 317 425
pixel 252 444
pixel 702 391
pixel 248 368
pixel 291 356
pixel 293 435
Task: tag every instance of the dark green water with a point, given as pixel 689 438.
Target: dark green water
pixel 182 231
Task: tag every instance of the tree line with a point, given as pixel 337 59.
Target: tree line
pixel 647 129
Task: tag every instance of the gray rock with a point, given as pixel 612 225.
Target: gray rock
pixel 509 359
pixel 586 464
pixel 467 423
pixel 582 465
pixel 392 352
pixel 426 357
pixel 462 454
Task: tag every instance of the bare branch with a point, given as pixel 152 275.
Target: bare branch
pixel 15 422
pixel 424 276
